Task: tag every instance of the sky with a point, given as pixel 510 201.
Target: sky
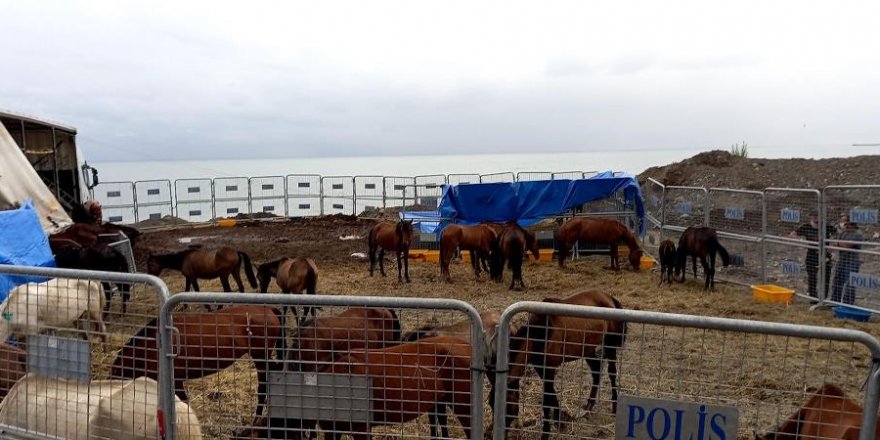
pixel 215 80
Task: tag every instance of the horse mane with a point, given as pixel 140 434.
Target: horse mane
pixel 271 267
pixel 174 259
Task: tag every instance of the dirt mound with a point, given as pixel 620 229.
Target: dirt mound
pixel 721 169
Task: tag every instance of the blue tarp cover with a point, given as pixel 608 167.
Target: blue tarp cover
pixel 530 201
pixel 22 243
pixel 423 221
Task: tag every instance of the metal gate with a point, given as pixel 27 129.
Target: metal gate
pixel 738 217
pixel 268 195
pixel 303 195
pixel 231 196
pixel 400 191
pixel 153 199
pixel 855 278
pixel 194 199
pixel 462 179
pixel 337 195
pixel 497 177
pixel 573 175
pixel 669 362
pixel 429 189
pixel 326 353
pixel 117 201
pixel 790 260
pixel 652 192
pixel 524 176
pixel 368 194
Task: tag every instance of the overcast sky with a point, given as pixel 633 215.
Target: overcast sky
pixel 337 78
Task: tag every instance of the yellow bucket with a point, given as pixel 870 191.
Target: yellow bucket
pixel 771 293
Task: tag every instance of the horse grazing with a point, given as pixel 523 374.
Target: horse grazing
pixel 510 247
pixel 293 275
pixel 409 380
pixel 548 341
pixel 13 366
pixel 57 303
pixel 394 237
pixel 477 239
pixel 462 330
pixel 206 343
pixel 111 409
pixel 71 255
pixel 700 242
pixel 198 263
pixel 828 414
pixel 667 261
pixel 598 231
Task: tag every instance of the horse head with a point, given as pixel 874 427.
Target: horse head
pixel 635 259
pixel 404 233
pixel 154 267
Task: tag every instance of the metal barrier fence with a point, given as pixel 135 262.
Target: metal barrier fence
pixel 739 216
pixel 790 260
pixel 653 193
pixel 319 373
pixel 691 375
pixel 153 199
pixel 66 382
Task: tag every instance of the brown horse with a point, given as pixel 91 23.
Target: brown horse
pixel 510 247
pixel 598 231
pixel 86 234
pixel 319 341
pixel 198 263
pixel 71 255
pixel 477 239
pixel 293 275
pixel 667 261
pixel 700 242
pixel 828 414
pixel 394 237
pixel 462 330
pixel 548 341
pixel 409 380
pixel 205 344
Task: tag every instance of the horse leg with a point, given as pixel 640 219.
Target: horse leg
pixel 438 421
pixel 399 267
pixel 595 365
pixel 712 268
pixel 694 261
pixel 108 298
pixel 224 281
pixel 125 294
pixel 406 264
pixel 707 270
pixel 615 262
pixel 550 403
pixel 372 253
pixel 237 277
pixel 382 262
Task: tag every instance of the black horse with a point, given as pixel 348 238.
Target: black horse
pixel 700 242
pixel 71 255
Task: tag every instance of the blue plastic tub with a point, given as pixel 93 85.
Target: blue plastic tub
pixel 843 312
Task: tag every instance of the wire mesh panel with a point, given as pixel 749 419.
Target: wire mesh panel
pixel 573 175
pixel 361 365
pixel 652 191
pixel 368 193
pixel 792 254
pixel 400 191
pixel 153 199
pixel 194 199
pixel 268 195
pixel 231 196
pixel 117 201
pixel 337 195
pixel 303 195
pixel 685 206
pixel 497 177
pixel 756 374
pixel 523 176
pixel 737 215
pixel 462 179
pixel 67 337
pixel 429 189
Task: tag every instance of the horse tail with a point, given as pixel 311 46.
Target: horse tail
pixel 370 239
pixel 714 244
pixel 613 341
pixel 248 269
pixel 397 331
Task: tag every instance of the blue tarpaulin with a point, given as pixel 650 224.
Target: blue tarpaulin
pixel 22 243
pixel 423 221
pixel 529 202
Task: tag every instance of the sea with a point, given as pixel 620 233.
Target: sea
pixel 631 161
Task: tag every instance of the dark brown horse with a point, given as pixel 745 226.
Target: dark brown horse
pixel 206 343
pixel 462 330
pixel 205 264
pixel 548 341
pixel 667 261
pixel 510 247
pixel 700 242
pixel 600 231
pixel 394 237
pixel 828 414
pixel 71 255
pixel 477 239
pixel 293 275
pixel 409 380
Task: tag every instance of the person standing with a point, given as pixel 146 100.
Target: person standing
pixel 810 232
pixel 848 262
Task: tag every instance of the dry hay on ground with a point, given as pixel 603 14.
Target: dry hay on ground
pixel 763 376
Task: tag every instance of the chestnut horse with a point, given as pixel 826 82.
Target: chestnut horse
pixel 477 239
pixel 667 261
pixel 394 237
pixel 206 343
pixel 598 231
pixel 293 275
pixel 700 242
pixel 548 341
pixel 204 264
pixel 462 330
pixel 409 380
pixel 510 247
pixel 828 414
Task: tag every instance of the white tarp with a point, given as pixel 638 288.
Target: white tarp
pixel 19 182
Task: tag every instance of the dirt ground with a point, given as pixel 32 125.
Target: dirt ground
pixel 658 361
